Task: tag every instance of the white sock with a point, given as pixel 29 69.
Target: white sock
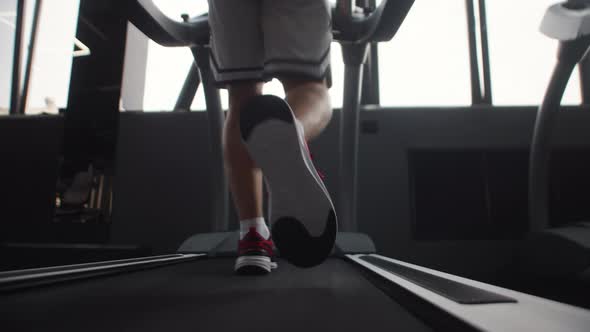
pixel 257 223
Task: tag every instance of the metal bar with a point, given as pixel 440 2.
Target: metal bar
pixel 349 128
pixel 458 292
pixel 4 275
pixel 476 97
pixel 485 53
pixel 15 92
pixel 375 95
pixel 10 281
pixel 367 81
pixel 30 57
pixel 413 297
pixel 584 73
pixel 539 161
pixel 354 57
pixel 370 88
pixel 442 314
pixel 216 118
pixel 189 89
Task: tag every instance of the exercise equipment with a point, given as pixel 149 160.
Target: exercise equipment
pixel 196 289
pixel 564 251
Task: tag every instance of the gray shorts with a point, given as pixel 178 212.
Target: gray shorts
pixel 257 40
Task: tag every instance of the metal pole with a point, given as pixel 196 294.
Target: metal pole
pixel 485 53
pixel 539 161
pixel 191 83
pixel 370 89
pixel 375 95
pixel 189 89
pixel 476 97
pixel 354 57
pixel 15 93
pixel 30 57
pixel 367 81
pixel 584 73
pixel 216 118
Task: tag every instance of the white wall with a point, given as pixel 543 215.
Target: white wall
pixel 522 58
pixel 7 12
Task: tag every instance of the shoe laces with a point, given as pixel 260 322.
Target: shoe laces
pixel 253 240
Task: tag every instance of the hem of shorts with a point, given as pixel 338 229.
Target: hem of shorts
pixel 278 74
pixel 290 61
pixel 223 83
pixel 266 76
pixel 295 74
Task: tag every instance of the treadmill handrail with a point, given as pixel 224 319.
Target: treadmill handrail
pixel 148 18
pixel 563 23
pixel 377 26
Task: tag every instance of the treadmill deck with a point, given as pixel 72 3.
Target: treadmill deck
pixel 205 295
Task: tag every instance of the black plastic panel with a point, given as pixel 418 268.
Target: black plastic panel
pixel 467 194
pixel 30 151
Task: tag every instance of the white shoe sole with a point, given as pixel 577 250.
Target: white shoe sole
pixel 254 265
pixel 303 219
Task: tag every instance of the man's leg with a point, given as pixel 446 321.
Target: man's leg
pixel 237 62
pixel 255 248
pixel 245 178
pixel 310 102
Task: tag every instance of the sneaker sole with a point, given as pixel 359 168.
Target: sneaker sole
pixel 253 265
pixel 303 221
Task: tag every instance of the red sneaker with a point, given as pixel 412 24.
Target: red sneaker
pixel 254 254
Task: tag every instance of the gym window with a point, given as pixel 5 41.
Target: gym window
pixel 521 58
pixel 167 67
pixel 7 14
pixel 50 74
pixel 427 62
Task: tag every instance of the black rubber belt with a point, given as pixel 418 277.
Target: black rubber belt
pixel 207 296
pixel 453 290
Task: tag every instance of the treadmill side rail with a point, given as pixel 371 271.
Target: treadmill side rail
pixel 529 313
pixel 451 289
pixel 15 280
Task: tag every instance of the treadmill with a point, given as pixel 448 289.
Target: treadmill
pixel 196 289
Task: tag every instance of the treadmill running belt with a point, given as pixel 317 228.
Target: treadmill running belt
pixel 456 291
pixel 206 296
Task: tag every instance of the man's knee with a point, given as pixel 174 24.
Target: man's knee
pixel 311 95
pixel 299 85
